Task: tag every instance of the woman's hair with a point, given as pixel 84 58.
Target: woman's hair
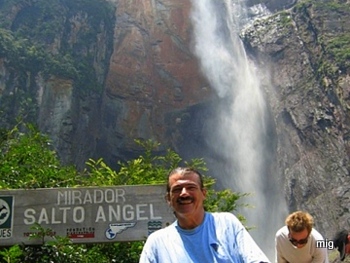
pixel 183 171
pixel 340 241
pixel 299 220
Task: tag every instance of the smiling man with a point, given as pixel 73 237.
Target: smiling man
pixel 198 236
pixel 296 242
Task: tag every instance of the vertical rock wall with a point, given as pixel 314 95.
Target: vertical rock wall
pixel 152 72
pixel 306 95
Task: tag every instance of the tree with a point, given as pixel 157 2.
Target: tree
pixel 28 161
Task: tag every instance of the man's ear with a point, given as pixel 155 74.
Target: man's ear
pixel 167 198
pixel 204 191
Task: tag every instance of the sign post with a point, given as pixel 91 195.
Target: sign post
pixel 85 215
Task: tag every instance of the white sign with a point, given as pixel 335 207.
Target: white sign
pixel 85 215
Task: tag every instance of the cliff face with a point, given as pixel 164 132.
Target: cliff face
pixel 152 72
pixel 303 51
pixel 95 75
pixel 55 58
pixel 124 66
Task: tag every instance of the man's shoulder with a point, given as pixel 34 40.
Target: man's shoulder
pixel 315 234
pixel 223 215
pixel 282 232
pixel 162 233
pixel 225 218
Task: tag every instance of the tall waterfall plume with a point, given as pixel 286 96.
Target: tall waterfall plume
pixel 243 134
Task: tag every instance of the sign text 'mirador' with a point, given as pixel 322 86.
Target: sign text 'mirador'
pixel 87 196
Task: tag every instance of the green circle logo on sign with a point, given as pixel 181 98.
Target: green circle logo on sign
pixel 4 211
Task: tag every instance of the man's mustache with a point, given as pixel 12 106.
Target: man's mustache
pixel 182 199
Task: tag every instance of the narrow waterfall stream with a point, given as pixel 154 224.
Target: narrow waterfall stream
pixel 242 134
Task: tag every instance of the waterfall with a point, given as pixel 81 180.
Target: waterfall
pixel 244 132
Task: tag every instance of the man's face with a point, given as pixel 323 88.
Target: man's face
pixel 298 239
pixel 186 196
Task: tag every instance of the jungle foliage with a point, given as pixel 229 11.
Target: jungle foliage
pixel 47 40
pixel 39 38
pixel 29 161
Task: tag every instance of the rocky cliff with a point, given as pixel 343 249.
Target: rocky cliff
pixel 95 75
pixel 152 72
pixel 304 51
pixel 54 62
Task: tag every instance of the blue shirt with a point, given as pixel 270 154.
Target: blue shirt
pixel 221 238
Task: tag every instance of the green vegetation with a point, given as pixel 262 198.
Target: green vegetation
pixel 28 161
pixel 336 43
pixel 24 56
pixel 326 24
pixel 332 6
pixel 301 6
pixel 57 37
pixel 285 18
pixel 60 38
pixel 337 6
pixel 338 48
